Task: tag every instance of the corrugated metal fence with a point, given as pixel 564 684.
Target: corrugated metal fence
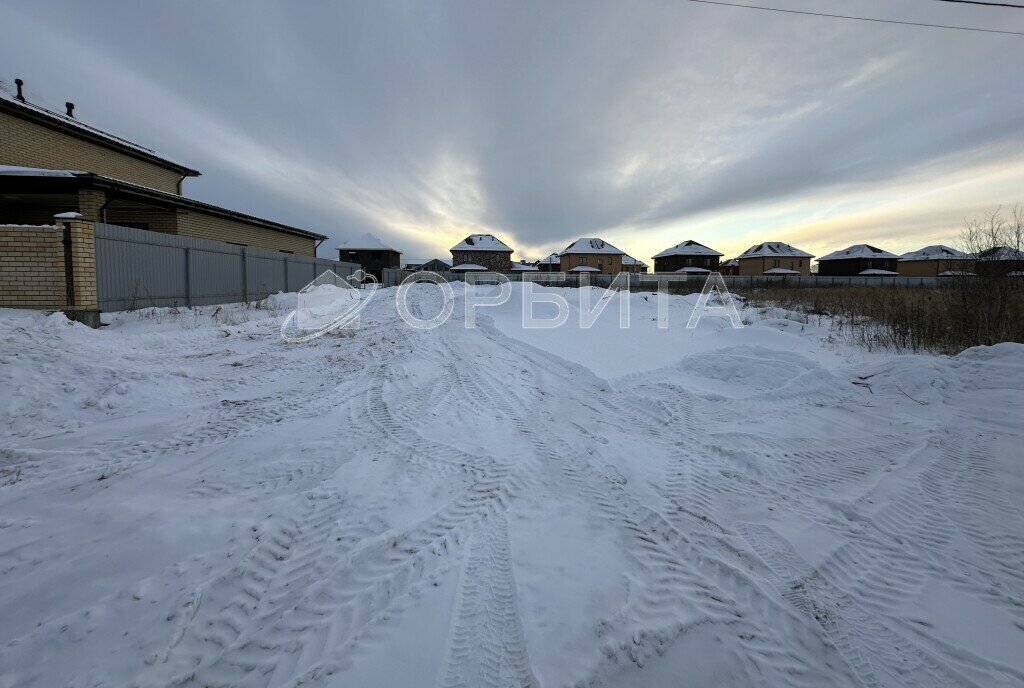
pixel 136 268
pixel 651 282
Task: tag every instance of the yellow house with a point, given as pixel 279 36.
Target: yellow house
pixel 774 258
pixel 591 255
pixel 52 162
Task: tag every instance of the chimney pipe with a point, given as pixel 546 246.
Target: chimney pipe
pixel 71 108
pixel 19 83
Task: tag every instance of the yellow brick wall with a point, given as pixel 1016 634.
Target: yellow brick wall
pixel 31 267
pixel 26 144
pixel 202 226
pixel 757 266
pixel 931 268
pixel 611 264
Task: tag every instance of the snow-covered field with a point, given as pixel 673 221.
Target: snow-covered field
pixel 186 499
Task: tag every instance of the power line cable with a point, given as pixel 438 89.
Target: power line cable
pixel 986 4
pixel 847 16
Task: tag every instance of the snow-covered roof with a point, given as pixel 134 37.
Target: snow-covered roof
pixel 1001 253
pixel 780 271
pixel 774 249
pixel 467 267
pixel 630 260
pixel 553 259
pixel 522 267
pixel 878 272
pixel 591 245
pixel 693 270
pixel 935 252
pixel 481 242
pixel 955 273
pixel 858 251
pixel 14 171
pixel 731 263
pixel 367 242
pixel 32 111
pixel 584 268
pixel 688 248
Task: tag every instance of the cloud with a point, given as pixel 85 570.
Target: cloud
pixel 644 123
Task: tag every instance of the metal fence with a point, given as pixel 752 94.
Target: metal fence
pixel 653 281
pixel 136 268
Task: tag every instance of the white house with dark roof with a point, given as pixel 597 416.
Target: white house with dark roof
pixel 932 261
pixel 591 252
pixel 687 254
pixel 485 250
pixel 776 256
pixel 859 259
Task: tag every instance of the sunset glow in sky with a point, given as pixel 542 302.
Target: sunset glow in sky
pixel 643 123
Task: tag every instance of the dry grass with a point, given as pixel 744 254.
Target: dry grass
pixel 946 321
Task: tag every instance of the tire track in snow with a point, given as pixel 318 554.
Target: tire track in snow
pixel 486 647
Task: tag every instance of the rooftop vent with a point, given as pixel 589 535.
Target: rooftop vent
pixel 19 83
pixel 71 108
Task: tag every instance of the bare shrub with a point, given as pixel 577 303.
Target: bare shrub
pixel 944 320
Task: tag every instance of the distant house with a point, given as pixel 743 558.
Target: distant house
pixel 774 258
pixel 372 254
pixel 523 266
pixel 436 265
pixel 729 267
pixel 932 261
pixel 552 263
pixel 688 254
pixel 485 250
pixel 859 259
pixel 631 264
pixel 591 253
pixel 1000 261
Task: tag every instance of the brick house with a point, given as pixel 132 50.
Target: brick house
pixel 688 254
pixel 859 259
pixel 485 250
pixel 372 255
pixel 774 258
pixel 52 162
pixel 591 254
pixel 932 261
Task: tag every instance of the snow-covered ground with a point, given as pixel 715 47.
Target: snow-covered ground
pixel 186 499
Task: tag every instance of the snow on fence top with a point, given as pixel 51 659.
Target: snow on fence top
pixel 367 242
pixel 591 245
pixel 688 248
pixel 858 251
pixel 774 249
pixel 482 242
pixel 936 252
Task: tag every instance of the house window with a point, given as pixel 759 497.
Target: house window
pixel 800 263
pixel 600 265
pixel 583 260
pixel 775 263
pixel 375 256
pixel 689 262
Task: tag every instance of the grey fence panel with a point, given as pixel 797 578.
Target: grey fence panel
pixel 138 268
pixel 676 282
pixel 216 276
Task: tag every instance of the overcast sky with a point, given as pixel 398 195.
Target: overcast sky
pixel 644 123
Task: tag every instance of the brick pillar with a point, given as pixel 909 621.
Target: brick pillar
pixel 79 242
